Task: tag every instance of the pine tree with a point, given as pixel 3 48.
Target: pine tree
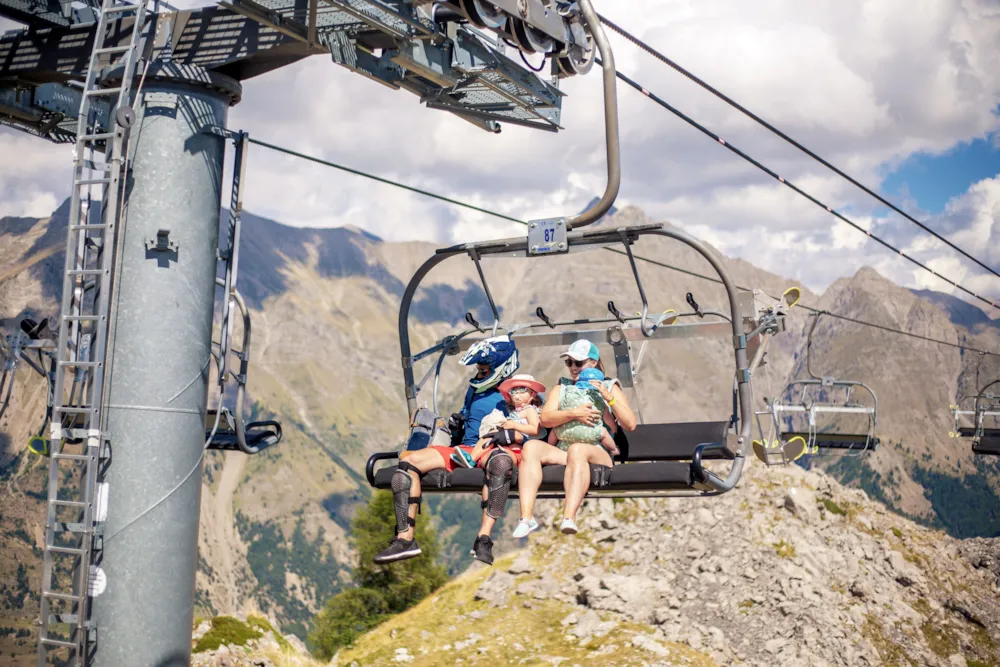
pixel 381 591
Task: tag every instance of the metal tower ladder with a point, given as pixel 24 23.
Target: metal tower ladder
pixel 73 530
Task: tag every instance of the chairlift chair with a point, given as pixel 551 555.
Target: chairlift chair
pixel 15 348
pixel 985 440
pixel 814 398
pixel 656 459
pixel 225 429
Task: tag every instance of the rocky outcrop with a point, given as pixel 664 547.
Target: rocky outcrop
pixel 789 569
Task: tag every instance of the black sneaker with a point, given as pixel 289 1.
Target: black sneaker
pixel 398 549
pixel 482 549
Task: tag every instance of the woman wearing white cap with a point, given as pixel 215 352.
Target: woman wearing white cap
pixel 578 457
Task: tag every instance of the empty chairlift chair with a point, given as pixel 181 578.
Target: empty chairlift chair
pixel 984 432
pixel 656 459
pixel 805 417
pixel 226 429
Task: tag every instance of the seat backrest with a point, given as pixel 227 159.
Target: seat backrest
pixel 669 442
pixel 989 445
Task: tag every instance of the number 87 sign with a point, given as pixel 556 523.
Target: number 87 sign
pixel 547 236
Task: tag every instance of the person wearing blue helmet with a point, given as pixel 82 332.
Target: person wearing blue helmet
pixel 495 359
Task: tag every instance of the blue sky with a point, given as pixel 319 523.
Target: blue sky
pixel 931 180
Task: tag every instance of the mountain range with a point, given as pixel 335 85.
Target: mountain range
pixel 274 528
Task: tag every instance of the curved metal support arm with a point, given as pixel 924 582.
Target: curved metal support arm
pixel 612 140
pixel 981 409
pixel 707 477
pixel 375 458
pixel 742 376
pixel 809 342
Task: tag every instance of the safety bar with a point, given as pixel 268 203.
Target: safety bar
pixel 375 458
pixel 705 476
pixel 598 336
pixel 817 407
pixel 833 383
pixel 518 247
pixel 612 142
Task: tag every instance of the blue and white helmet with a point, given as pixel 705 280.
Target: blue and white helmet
pixel 500 353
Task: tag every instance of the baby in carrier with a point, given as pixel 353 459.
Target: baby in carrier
pixel 576 395
pixel 524 401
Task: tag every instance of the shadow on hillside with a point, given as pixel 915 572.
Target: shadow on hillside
pixel 342 506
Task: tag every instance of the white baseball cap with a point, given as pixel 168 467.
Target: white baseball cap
pixel 581 350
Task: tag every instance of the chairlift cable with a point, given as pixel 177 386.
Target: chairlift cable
pixel 387 181
pixel 840 216
pixel 763 123
pixel 640 258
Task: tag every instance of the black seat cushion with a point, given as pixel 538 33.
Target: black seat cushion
pixel 670 442
pixel 649 476
pixel 835 440
pixel 988 445
pixel 970 431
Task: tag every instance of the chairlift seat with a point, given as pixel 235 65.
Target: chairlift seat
pixel 966 431
pixel 988 445
pixel 654 457
pixel 836 440
pixel 258 436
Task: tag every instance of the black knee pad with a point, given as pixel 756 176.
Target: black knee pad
pixel 401 485
pixel 499 472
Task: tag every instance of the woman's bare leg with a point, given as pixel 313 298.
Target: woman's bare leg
pixel 577 479
pixel 534 455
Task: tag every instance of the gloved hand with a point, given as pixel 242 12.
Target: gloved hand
pixel 456 424
pixel 505 437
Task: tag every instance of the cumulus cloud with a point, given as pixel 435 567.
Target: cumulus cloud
pixel 866 83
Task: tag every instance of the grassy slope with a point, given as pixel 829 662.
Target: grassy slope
pixel 431 630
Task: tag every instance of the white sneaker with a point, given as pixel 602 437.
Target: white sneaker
pixel 569 527
pixel 525 526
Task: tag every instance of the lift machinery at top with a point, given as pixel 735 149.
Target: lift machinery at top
pixel 454 55
pixel 655 459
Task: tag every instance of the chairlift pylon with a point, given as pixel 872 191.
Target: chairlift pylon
pixel 813 399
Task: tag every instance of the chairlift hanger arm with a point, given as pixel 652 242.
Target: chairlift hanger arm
pixel 612 141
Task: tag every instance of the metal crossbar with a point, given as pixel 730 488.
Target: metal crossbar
pixel 84 324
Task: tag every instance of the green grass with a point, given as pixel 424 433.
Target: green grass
pixel 784 549
pixel 897 532
pixel 227 630
pixel 263 625
pixel 833 508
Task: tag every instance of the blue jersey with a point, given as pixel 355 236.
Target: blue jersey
pixel 478 406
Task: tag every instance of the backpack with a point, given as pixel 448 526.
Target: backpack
pixel 427 429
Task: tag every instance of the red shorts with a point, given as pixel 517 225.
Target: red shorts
pixel 450 465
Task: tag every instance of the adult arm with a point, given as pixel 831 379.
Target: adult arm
pixel 552 416
pixel 617 405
